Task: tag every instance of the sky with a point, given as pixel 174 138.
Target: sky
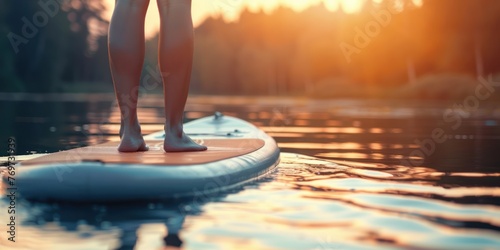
pixel 230 9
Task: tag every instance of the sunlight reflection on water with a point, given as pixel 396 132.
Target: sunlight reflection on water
pixel 342 210
pixel 308 203
pixel 353 194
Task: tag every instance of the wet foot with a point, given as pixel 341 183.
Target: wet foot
pixel 180 142
pixel 131 139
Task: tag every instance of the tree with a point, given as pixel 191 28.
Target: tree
pixel 10 82
pixel 48 46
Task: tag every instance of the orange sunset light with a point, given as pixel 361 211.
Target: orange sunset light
pixel 230 9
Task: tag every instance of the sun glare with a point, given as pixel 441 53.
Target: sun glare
pixel 230 9
pixel 351 6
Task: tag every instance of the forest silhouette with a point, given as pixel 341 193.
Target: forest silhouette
pixel 392 49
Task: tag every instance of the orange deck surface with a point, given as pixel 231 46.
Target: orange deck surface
pixel 218 149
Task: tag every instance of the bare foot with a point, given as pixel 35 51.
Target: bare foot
pixel 180 142
pixel 131 139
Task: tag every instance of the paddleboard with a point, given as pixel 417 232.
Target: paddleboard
pixel 238 152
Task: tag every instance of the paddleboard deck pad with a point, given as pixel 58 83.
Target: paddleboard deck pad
pixel 238 152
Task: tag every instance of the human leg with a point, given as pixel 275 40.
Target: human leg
pixel 175 60
pixel 126 55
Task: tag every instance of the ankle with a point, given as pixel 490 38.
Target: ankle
pixel 174 128
pixel 130 127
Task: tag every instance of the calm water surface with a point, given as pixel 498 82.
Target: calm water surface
pixel 353 175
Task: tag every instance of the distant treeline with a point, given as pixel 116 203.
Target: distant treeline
pixel 385 46
pixel 48 44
